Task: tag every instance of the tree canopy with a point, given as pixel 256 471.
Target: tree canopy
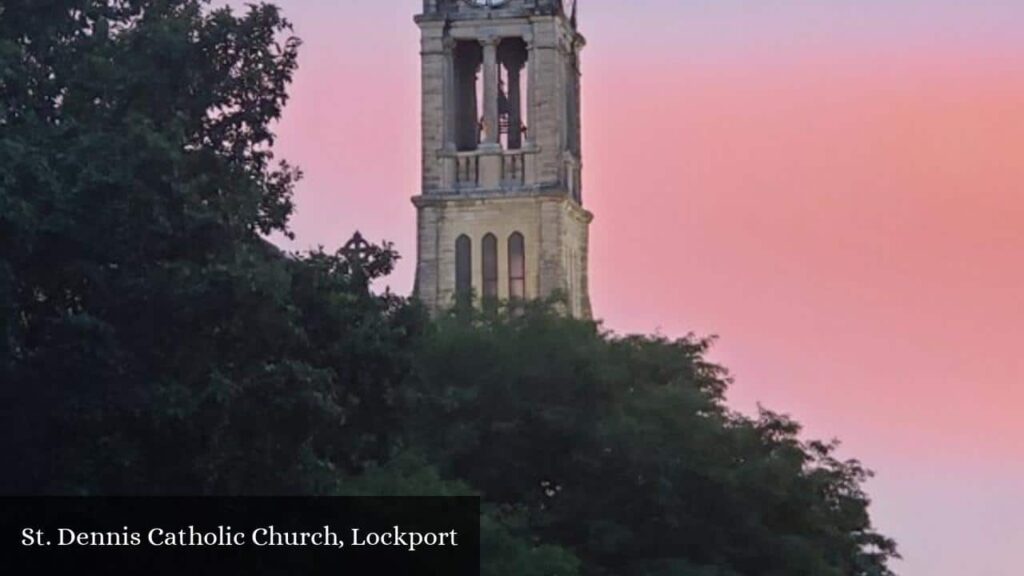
pixel 153 342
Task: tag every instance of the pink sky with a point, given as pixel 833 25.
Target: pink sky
pixel 836 189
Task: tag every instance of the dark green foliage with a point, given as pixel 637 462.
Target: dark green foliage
pixel 151 341
pixel 154 342
pixel 622 450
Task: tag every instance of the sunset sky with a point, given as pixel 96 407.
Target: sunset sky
pixel 835 189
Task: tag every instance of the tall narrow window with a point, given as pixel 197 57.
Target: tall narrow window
pixel 463 269
pixel 490 263
pixel 516 267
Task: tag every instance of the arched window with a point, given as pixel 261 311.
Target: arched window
pixel 516 267
pixel 463 269
pixel 490 263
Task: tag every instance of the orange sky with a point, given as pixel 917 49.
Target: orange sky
pixel 835 189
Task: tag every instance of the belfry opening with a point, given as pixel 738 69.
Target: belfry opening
pixel 491 72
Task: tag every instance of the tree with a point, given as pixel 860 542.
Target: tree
pixel 622 451
pixel 152 340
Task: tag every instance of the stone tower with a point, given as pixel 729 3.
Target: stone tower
pixel 501 212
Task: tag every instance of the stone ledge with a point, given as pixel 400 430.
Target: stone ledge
pixel 465 200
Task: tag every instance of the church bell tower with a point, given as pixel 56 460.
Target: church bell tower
pixel 501 215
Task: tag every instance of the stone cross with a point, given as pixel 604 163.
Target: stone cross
pixel 356 252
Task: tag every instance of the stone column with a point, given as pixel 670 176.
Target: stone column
pixel 449 94
pixel 491 130
pixel 530 139
pixel 531 75
pixel 448 119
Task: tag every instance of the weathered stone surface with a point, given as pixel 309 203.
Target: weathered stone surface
pixel 533 190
